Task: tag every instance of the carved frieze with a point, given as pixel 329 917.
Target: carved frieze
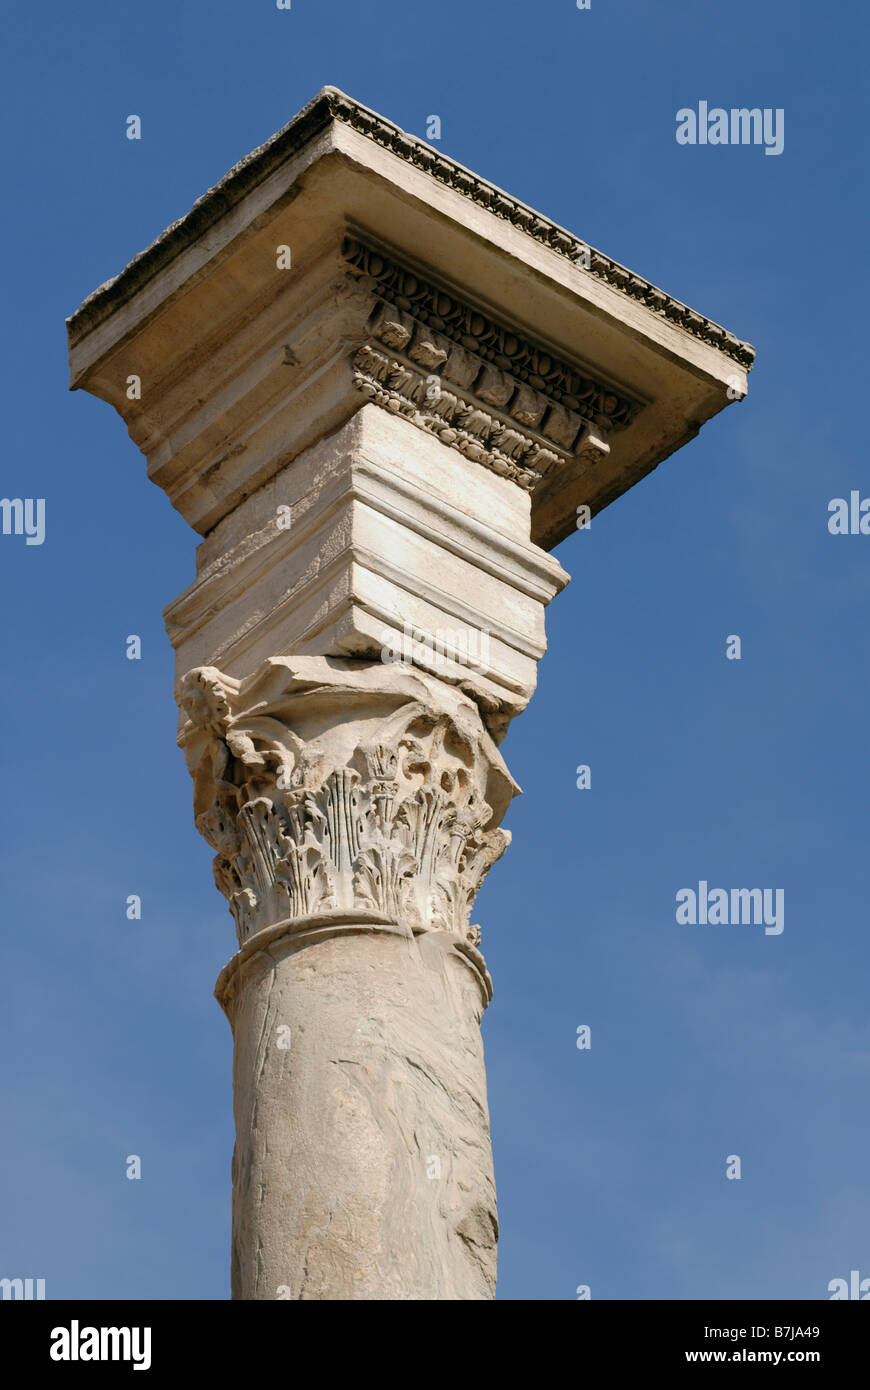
pixel 484 390
pixel 419 301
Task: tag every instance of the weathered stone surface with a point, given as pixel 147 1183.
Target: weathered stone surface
pixel 377 539
pixel 362 1167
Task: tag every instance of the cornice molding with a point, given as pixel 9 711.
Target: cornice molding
pixel 332 105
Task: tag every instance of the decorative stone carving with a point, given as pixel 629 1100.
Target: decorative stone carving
pixel 316 806
pixel 478 386
pixel 453 419
pixel 471 338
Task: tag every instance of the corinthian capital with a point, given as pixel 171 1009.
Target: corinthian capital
pixel 344 790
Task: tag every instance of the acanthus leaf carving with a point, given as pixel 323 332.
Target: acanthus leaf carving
pixel 400 828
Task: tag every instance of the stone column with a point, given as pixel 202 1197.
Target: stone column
pixel 381 390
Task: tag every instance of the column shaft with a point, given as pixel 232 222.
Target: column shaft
pixel 363 1166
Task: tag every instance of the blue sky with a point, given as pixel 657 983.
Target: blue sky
pixel 706 1041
